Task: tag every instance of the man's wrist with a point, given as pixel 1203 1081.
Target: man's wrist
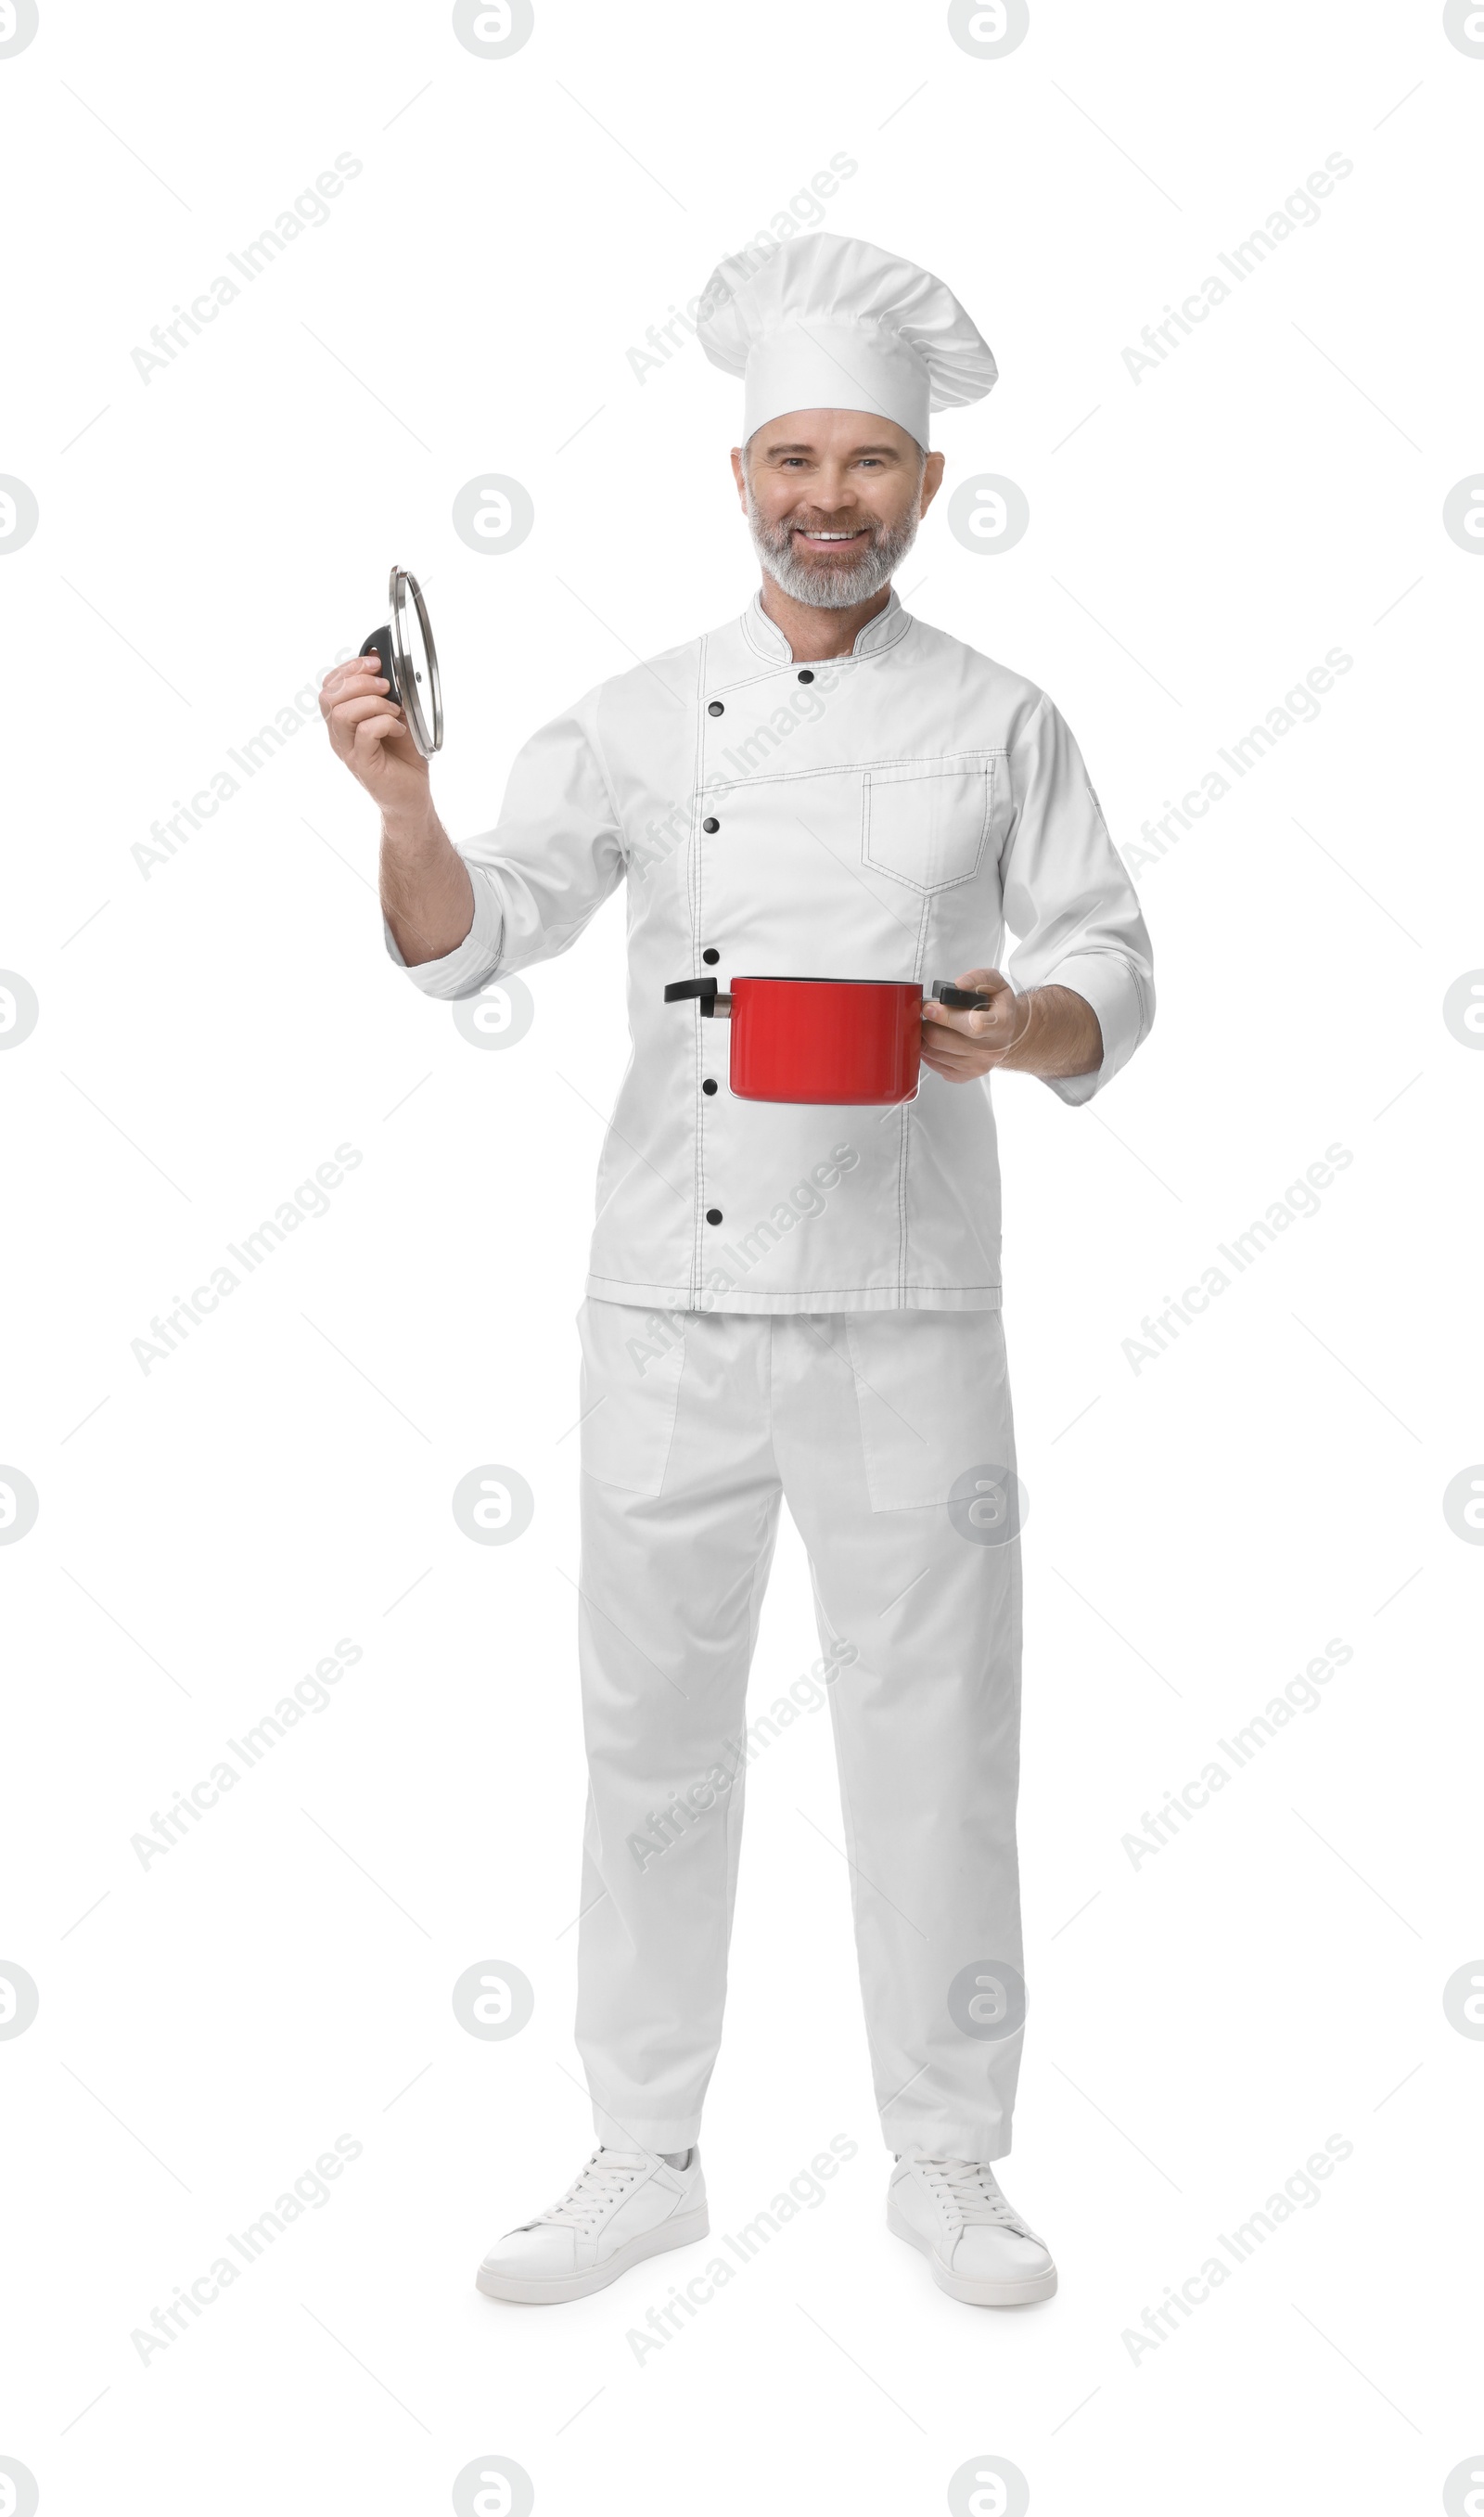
pixel 1060 1036
pixel 411 835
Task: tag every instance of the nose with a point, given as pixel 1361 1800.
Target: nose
pixel 828 497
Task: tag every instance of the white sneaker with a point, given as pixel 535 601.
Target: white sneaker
pixel 980 2248
pixel 625 2204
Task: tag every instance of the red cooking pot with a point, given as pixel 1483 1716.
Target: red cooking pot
pixel 822 1040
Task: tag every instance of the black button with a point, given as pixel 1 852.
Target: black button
pixel 806 675
pixel 713 1214
pixel 709 1084
pixel 715 708
pixel 711 823
pixel 710 954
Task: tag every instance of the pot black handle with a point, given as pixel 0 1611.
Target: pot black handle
pixel 960 1001
pixel 705 989
pixel 380 645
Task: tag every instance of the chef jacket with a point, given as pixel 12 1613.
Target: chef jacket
pixel 884 815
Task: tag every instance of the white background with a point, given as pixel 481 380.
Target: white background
pixel 212 1026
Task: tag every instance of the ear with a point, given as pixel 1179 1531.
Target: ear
pixel 740 476
pixel 932 481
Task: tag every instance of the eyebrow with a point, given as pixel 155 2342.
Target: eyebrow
pixel 804 445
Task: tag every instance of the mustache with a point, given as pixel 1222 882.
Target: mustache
pixel 777 537
pixel 828 525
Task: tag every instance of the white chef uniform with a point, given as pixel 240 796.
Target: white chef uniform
pixel 786 1299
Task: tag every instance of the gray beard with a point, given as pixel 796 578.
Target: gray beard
pixel 828 586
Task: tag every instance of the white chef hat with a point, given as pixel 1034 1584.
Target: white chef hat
pixel 831 324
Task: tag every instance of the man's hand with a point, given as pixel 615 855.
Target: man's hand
pixel 1047 1031
pixel 368 732
pixel 426 895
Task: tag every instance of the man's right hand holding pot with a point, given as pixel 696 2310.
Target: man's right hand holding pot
pixel 426 895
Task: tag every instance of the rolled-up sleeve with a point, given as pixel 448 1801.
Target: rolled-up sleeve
pixel 552 859
pixel 1069 901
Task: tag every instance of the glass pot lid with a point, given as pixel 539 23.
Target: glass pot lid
pixel 409 660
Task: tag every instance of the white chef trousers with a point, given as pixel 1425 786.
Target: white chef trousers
pixel 890 1435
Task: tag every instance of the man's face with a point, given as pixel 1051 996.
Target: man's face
pixel 833 499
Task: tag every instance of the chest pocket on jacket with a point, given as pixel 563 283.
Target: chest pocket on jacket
pixel 926 822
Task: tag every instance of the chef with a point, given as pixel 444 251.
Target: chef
pixel 796 1302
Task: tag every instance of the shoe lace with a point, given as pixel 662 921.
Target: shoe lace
pixel 602 2183
pixel 970 2195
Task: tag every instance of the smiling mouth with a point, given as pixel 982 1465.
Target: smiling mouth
pixel 808 534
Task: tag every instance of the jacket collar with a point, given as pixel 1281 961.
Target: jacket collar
pixel 882 630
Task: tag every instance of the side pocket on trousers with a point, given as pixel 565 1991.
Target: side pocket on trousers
pixel 632 1362
pixel 934 1402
